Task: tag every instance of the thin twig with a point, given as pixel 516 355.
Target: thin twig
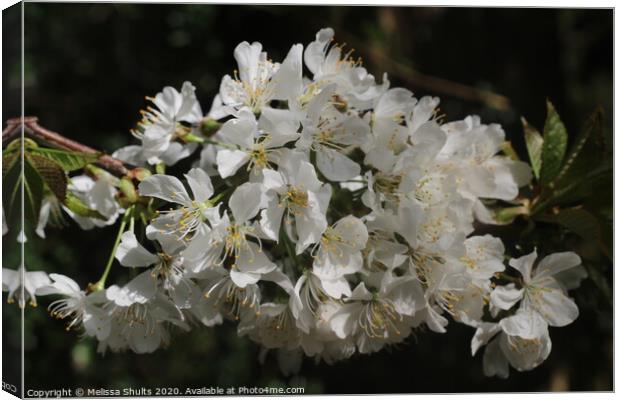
pixel 55 139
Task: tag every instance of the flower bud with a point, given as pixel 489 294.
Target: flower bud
pixel 139 174
pixel 128 189
pixel 209 126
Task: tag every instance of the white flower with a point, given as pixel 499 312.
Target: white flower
pixel 139 290
pixel 339 254
pixel 141 327
pixel 223 294
pixel 257 142
pixel 541 292
pixel 389 134
pixel 523 349
pixel 259 81
pixel 228 243
pixel 166 268
pixel 12 282
pixel 80 308
pixel 185 220
pixel 275 327
pixel 380 317
pixel 98 195
pixel 327 63
pixel 175 116
pixel 484 258
pixel 471 149
pixel 330 133
pixel 296 194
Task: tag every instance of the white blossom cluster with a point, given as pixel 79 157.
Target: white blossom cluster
pixel 327 216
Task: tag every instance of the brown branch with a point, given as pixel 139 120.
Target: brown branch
pixel 55 139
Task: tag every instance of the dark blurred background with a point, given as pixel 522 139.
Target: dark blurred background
pixel 89 66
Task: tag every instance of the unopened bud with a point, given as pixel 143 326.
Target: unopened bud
pixel 139 174
pixel 209 126
pixel 128 189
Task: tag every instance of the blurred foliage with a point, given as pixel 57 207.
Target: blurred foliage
pixel 89 66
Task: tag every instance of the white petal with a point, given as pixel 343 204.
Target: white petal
pixel 305 176
pixel 271 219
pixel 494 362
pixel 310 225
pixel 526 323
pixel 229 161
pixel 165 187
pixel 242 279
pixel 406 294
pixel 336 166
pixel 254 260
pixel 504 297
pixel 287 81
pixel 555 307
pixel 240 131
pixel 336 288
pixel 247 57
pixel 556 263
pixel 315 51
pixel 65 284
pixel 272 180
pixel 200 183
pixel 131 253
pixel 524 265
pixel 139 290
pixel 525 355
pixel 484 333
pixel 343 321
pixel 246 201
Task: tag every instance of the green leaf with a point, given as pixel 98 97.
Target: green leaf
pixel 76 205
pixel 581 222
pixel 11 198
pixel 34 187
pixel 587 152
pixel 67 160
pixel 534 143
pixel 52 174
pixel 554 146
pixel 12 147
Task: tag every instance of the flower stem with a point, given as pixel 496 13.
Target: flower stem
pixel 220 196
pixel 290 249
pixel 191 138
pixel 100 285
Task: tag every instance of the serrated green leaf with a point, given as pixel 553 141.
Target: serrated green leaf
pixel 11 198
pixel 12 147
pixel 77 206
pixel 534 144
pixel 34 187
pixel 587 152
pixel 554 146
pixel 68 160
pixel 52 174
pixel 13 180
pixel 580 222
